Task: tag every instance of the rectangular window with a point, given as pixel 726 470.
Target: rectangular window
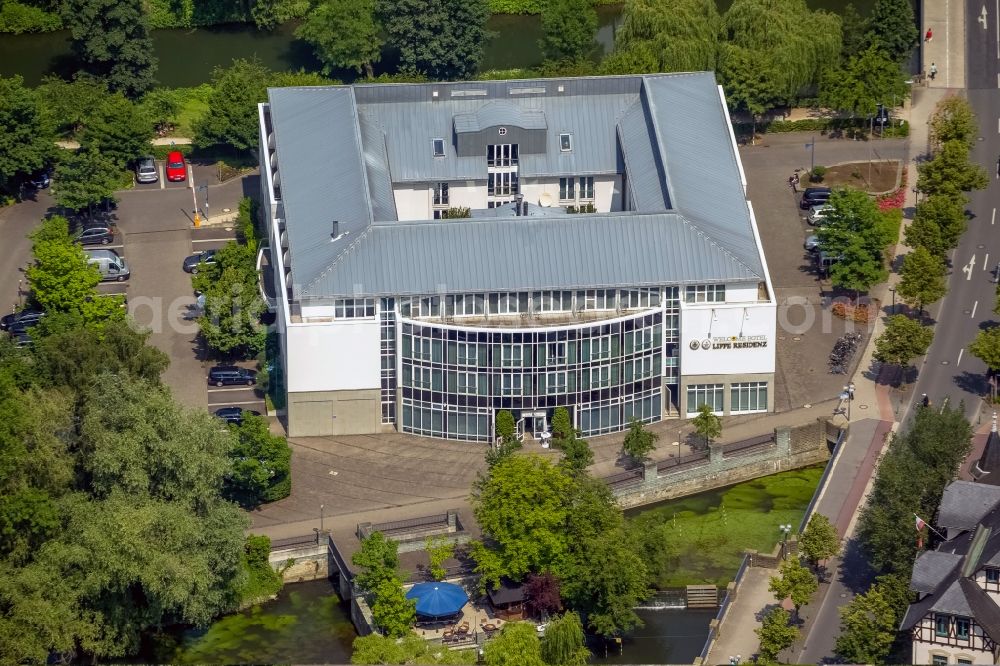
pixel 705 293
pixel 633 299
pixel 600 348
pixel 556 382
pixel 501 155
pixel 421 349
pixel 992 575
pixel 553 301
pixel 510 385
pixel 964 661
pixel 567 189
pixel 565 142
pixel 748 397
pixel 557 353
pixel 587 188
pixel 438 147
pixel 962 628
pixel 939 660
pixel 354 308
pixel 643 339
pixel 421 378
pixel 600 377
pixel 508 303
pixel 510 355
pixel 705 394
pixel 502 184
pixel 466 304
pixel 941 623
pixel 468 383
pixel 441 194
pixel 468 353
pixel 645 367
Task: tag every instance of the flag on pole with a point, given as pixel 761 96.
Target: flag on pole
pixel 920 522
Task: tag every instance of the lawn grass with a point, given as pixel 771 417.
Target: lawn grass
pixel 700 539
pixel 193 104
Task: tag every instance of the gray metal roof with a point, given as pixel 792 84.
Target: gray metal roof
pixel 931 568
pixel 322 173
pixel 500 112
pixel 524 253
pixel 965 503
pixel 340 150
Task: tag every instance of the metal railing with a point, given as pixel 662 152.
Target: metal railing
pixel 396 526
pixel 724 608
pixel 680 462
pixel 841 438
pixel 626 478
pixel 289 543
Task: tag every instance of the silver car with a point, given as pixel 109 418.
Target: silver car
pixel 818 214
pixel 145 170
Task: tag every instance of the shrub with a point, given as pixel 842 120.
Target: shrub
pixel 17 18
pixel 861 312
pixel 161 152
pixel 456 213
pixel 817 174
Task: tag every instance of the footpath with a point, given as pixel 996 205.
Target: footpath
pixel 852 472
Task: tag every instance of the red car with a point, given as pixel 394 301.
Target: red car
pixel 176 168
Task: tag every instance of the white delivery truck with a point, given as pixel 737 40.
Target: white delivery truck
pixel 111 266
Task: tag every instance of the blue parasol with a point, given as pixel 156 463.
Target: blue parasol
pixel 438 599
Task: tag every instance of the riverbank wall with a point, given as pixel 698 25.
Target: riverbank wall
pixel 724 465
pixel 302 559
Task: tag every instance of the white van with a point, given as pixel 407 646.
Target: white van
pixel 111 266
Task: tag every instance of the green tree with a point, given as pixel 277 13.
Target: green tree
pixel 379 556
pixel 61 279
pixel 377 649
pixel 564 643
pixel 411 649
pixel 922 278
pixel 857 268
pixel 517 645
pixel 938 224
pixel 866 81
pixel 893 28
pixel 84 179
pixel 569 28
pixel 680 36
pixel 986 347
pixel 233 307
pixel 442 39
pixel 119 129
pixel 261 463
pixel 820 541
pixel 950 172
pixel 707 424
pixel 520 505
pixel 953 120
pixel 919 463
pixel 438 550
pixel 854 29
pixel 261 581
pixel 505 427
pixel 393 613
pixel 775 634
pixel 266 14
pixel 111 40
pixel 750 79
pixel 231 119
pixel 67 105
pixel 577 456
pixel 867 629
pixel 344 35
pixel 903 340
pixel 25 135
pixel 798 42
pixel 639 442
pixel 795 582
pixel 562 425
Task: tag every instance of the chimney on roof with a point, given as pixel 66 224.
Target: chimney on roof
pixel 517 204
pixel 336 230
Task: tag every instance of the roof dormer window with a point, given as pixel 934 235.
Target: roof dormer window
pixel 438 147
pixel 565 142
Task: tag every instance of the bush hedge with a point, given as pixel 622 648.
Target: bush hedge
pixel 531 6
pixel 823 125
pixel 160 152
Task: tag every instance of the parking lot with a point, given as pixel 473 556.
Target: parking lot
pixel 807 330
pixel 155 234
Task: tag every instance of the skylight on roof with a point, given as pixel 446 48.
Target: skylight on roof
pixel 565 142
pixel 438 147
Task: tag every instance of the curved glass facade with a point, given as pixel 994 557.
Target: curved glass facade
pixel 453 380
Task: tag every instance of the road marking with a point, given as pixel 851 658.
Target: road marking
pixel 993 220
pixel 212 240
pixel 960 352
pixel 163 177
pixel 974 306
pixel 982 17
pixel 986 260
pixel 968 269
pixel 996 17
pixel 243 402
pixel 218 389
pixel 944 403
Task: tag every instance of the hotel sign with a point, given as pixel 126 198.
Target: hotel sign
pixel 730 342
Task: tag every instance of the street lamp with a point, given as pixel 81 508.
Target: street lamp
pixel 320 517
pixel 893 290
pixel 812 146
pixel 785 529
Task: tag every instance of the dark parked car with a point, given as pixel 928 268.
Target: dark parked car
pixel 21 337
pixel 234 415
pixel 95 233
pixel 191 263
pixel 40 180
pixel 222 375
pixel 814 196
pixel 20 320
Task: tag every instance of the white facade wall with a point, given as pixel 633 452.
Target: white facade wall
pixel 468 194
pixel 413 202
pixel 717 324
pixel 741 292
pixel 924 653
pixel 607 192
pixel 334 356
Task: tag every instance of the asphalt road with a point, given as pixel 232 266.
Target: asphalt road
pixel 950 372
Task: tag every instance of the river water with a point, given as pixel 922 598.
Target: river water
pixel 187 57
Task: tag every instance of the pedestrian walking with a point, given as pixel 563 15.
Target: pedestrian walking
pixel 929 36
pixel 933 71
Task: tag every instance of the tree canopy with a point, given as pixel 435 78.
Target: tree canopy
pixel 867 80
pixel 707 424
pixel 950 172
pixel 986 347
pixel 441 39
pixel 775 634
pixel 569 28
pixel 111 39
pixel 893 27
pixel 517 645
pixel 118 129
pixel 84 179
pixel 953 120
pixel 26 137
pixel 820 540
pixel 680 36
pixel 795 582
pixel 922 278
pixel 232 119
pixel 344 34
pixel 639 442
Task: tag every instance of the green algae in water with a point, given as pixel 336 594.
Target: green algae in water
pixel 306 624
pixel 701 539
